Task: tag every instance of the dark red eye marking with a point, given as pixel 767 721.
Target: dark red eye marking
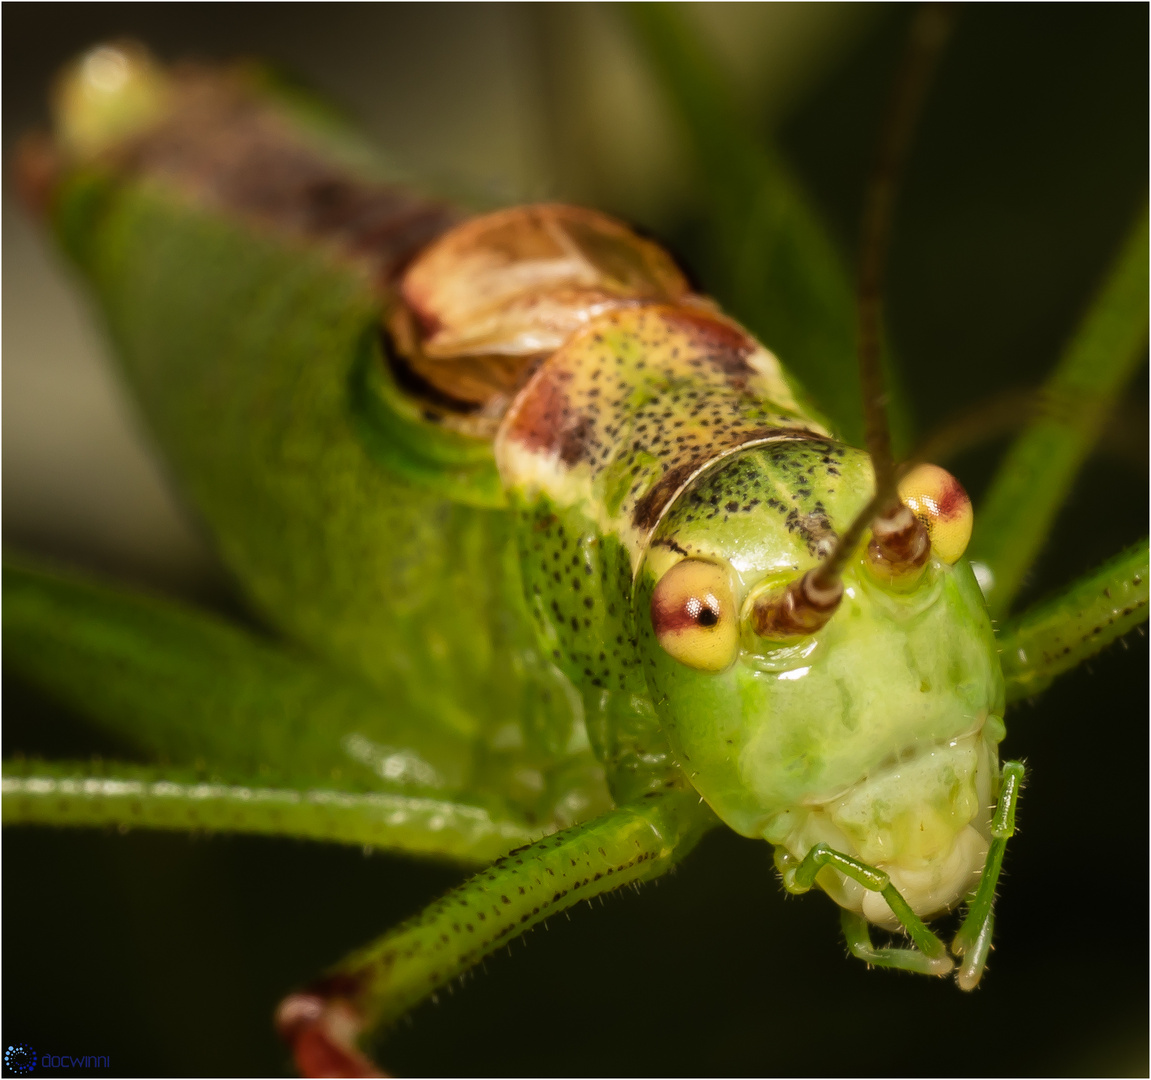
pixel 670 614
pixel 952 500
pixel 935 497
pixel 694 617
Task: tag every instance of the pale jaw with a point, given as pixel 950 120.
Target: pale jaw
pixel 923 818
pixel 934 888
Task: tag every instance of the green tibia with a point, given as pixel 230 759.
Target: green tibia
pixel 1059 634
pixel 136 797
pixel 633 843
pixel 974 938
pixel 897 688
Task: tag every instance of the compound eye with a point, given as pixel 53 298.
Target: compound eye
pixel 935 497
pixel 694 617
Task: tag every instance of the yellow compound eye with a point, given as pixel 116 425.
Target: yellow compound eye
pixel 935 497
pixel 694 617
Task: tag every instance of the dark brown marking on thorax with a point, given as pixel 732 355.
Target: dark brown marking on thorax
pixel 814 528
pixel 575 438
pixel 227 146
pixel 648 509
pixel 721 344
pixel 541 425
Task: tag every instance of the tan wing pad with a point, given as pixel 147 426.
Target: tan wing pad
pixel 484 303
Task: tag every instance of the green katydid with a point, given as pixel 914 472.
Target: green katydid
pixel 440 760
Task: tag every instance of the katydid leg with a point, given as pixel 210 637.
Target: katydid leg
pixel 379 983
pixel 857 933
pixel 1059 634
pixel 929 955
pixel 973 941
pixel 1015 519
pixel 130 796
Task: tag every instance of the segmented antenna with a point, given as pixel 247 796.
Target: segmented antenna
pixel 899 541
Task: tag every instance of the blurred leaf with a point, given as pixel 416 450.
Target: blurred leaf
pixel 1014 521
pixel 774 265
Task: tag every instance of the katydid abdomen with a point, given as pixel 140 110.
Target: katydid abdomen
pixel 248 345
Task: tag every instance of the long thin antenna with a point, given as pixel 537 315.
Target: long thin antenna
pixel 928 34
pixel 899 540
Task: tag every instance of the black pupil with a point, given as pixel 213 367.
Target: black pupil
pixel 707 617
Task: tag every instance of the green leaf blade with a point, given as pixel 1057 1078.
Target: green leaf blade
pixel 776 267
pixel 1014 521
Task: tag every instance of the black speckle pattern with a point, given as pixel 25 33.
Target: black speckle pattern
pixel 630 409
pixel 795 496
pixel 579 590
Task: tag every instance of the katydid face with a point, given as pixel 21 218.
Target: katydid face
pixel 877 734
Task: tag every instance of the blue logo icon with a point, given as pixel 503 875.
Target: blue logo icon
pixel 20 1059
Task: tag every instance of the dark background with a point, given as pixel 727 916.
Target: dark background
pixel 168 953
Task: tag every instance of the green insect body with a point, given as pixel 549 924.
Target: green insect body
pixel 415 592
pixel 552 580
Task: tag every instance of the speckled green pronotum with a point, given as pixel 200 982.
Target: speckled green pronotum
pixel 546 537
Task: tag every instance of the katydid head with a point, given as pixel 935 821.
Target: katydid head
pixel 860 705
pixel 873 729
